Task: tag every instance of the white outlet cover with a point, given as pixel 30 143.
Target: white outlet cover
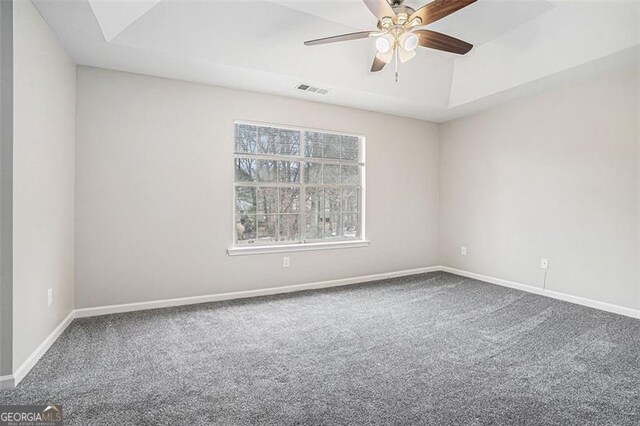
pixel 463 251
pixel 49 297
pixel 285 262
pixel 544 263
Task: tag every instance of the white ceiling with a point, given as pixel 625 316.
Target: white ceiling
pixel 258 45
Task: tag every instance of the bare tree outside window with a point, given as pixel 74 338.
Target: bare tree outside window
pixel 296 185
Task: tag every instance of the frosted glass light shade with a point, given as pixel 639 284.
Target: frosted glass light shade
pixel 384 43
pixel 409 41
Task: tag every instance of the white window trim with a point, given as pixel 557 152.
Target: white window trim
pixel 287 248
pixel 235 250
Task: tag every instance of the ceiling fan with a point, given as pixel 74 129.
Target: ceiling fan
pixel 398 33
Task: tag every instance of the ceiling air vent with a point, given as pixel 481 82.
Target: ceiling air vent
pixel 312 89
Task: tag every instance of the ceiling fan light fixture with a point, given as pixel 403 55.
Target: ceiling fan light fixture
pixel 409 41
pixel 384 43
pixel 397 36
pixel 405 55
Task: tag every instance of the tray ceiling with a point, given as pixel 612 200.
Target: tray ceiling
pixel 257 45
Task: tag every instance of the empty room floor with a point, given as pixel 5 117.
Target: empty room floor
pixel 426 349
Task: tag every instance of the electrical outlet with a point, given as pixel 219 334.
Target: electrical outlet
pixel 463 251
pixel 49 297
pixel 544 263
pixel 285 262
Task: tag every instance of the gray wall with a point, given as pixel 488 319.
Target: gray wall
pixel 6 187
pixel 43 181
pixel 154 190
pixel 555 176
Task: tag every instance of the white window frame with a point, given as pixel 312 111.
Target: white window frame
pixel 304 245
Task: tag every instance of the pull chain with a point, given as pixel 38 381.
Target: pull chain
pixel 396 55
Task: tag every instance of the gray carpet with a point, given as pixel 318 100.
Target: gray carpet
pixel 428 349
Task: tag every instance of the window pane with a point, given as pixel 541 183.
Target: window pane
pixel 267 140
pixel 331 173
pixel 245 170
pixel 289 227
pixel 331 147
pixel 350 148
pixel 289 200
pixel 314 207
pixel 289 171
pixel 350 175
pixel 350 200
pixel 332 227
pixel 332 200
pixel 314 226
pixel 314 202
pixel 245 227
pixel 246 138
pixel 266 170
pixel 313 144
pixel 267 225
pixel 245 199
pixel 289 142
pixel 267 200
pixel 328 145
pixel 313 172
pixel 350 225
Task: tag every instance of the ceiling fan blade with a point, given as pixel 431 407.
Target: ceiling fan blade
pixel 380 9
pixel 378 64
pixel 438 9
pixel 435 40
pixel 342 37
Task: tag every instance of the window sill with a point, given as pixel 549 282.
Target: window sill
pixel 241 251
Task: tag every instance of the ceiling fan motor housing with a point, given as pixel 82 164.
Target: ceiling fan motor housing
pixel 401 9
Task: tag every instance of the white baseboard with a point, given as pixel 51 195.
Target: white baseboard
pixel 35 356
pixel 155 304
pixel 13 380
pixel 616 309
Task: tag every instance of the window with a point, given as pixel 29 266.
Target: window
pixel 297 186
